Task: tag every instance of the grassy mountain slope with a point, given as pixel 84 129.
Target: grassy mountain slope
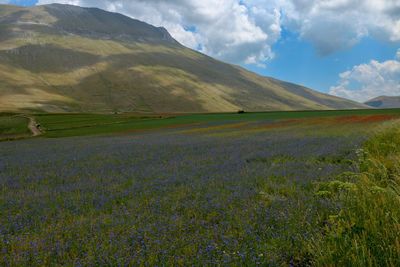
pixel 384 102
pixel 60 58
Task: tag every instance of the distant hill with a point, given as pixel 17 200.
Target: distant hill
pixel 61 58
pixel 384 102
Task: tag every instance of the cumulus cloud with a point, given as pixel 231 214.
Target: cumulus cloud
pixel 244 31
pixel 227 29
pixel 367 81
pixel 338 24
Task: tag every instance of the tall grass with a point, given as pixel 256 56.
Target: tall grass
pixel 366 232
pixel 13 127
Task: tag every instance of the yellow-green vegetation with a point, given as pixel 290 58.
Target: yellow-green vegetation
pixel 13 127
pixel 218 124
pixel 286 190
pixel 68 59
pixel 366 231
pixel 224 124
pixel 166 197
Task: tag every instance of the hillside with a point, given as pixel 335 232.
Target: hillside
pixel 61 58
pixel 384 102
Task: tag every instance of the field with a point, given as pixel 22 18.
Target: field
pixel 64 125
pixel 13 127
pixel 279 188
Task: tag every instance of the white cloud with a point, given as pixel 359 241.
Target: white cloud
pixel 367 81
pixel 332 25
pixel 245 30
pixel 226 29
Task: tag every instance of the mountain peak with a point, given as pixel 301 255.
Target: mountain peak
pixel 384 102
pixel 87 21
pixel 63 58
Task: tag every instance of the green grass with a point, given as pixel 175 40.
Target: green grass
pixel 12 127
pixel 366 231
pixel 166 200
pixel 65 125
pixel 272 199
pixel 75 121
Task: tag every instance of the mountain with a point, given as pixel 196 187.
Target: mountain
pixel 384 102
pixel 62 58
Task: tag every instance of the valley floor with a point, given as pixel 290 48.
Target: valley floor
pixel 249 190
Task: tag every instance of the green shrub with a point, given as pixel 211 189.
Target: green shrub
pixel 366 232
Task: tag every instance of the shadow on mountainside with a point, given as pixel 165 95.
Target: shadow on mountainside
pixel 47 58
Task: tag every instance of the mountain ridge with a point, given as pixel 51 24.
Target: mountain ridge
pixel 384 102
pixel 63 58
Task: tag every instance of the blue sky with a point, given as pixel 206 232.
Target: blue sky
pixel 296 60
pixel 333 46
pixel 23 2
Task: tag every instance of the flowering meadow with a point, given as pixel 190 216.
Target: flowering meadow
pixel 218 193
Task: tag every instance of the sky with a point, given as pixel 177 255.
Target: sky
pixel 348 48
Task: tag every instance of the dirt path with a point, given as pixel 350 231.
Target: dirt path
pixel 34 126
